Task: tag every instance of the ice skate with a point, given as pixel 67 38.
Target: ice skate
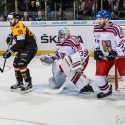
pixel 101 94
pixel 26 88
pixel 18 85
pixel 87 88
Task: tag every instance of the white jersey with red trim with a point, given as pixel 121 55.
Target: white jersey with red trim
pixel 69 47
pixel 111 38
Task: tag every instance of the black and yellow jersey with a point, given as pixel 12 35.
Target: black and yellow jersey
pixel 23 36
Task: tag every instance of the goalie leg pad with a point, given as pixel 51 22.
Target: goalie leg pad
pixel 57 82
pixel 66 66
pixel 58 77
pixel 79 80
pixel 76 61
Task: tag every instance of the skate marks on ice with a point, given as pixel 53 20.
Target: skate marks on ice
pixel 7 97
pixel 72 90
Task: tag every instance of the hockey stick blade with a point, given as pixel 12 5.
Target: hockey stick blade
pixel 1 70
pixel 57 91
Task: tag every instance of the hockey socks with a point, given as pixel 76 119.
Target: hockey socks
pixel 101 94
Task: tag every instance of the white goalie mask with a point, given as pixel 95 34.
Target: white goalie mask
pixel 63 34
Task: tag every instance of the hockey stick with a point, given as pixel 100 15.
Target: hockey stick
pixel 6 58
pixel 4 61
pixel 57 91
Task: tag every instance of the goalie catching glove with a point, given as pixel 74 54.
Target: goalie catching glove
pixel 47 59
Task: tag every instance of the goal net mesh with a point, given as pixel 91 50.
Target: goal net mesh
pixel 114 78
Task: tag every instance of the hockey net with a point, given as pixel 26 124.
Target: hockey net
pixel 114 78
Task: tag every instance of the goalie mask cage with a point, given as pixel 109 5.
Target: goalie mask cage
pixel 114 78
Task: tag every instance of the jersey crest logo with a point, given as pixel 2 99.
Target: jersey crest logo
pixel 20 31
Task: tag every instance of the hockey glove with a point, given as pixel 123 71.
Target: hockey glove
pixel 47 59
pixel 9 39
pixel 112 55
pixel 98 55
pixel 8 53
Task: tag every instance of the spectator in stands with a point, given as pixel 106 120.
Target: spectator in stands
pixel 114 15
pixel 6 6
pixel 94 7
pixel 105 5
pixel 59 6
pixel 26 17
pixel 33 5
pixel 26 6
pixel 38 5
pixel 121 12
pixel 40 17
pixel 80 7
pixel 88 7
pixel 116 6
pixel 61 16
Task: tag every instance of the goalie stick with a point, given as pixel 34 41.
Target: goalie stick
pixel 57 91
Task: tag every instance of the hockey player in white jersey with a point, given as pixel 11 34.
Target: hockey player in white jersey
pixel 110 43
pixel 69 61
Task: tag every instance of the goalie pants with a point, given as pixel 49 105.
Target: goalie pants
pixel 102 70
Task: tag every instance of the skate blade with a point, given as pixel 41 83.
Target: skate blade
pixel 27 91
pixel 14 90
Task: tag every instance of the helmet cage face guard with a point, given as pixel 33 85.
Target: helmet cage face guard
pixel 66 33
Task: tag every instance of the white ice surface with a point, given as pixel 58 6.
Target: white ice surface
pixel 67 108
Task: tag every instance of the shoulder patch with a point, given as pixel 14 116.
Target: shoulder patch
pixel 17 26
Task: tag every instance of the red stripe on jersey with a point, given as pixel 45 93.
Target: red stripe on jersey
pixel 110 31
pixel 63 45
pixel 96 25
pixel 122 41
pixel 76 45
pixel 77 78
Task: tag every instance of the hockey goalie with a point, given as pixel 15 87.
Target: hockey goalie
pixel 68 62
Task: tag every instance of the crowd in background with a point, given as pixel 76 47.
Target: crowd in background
pixel 41 10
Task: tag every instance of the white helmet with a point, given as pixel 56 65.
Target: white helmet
pixel 63 31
